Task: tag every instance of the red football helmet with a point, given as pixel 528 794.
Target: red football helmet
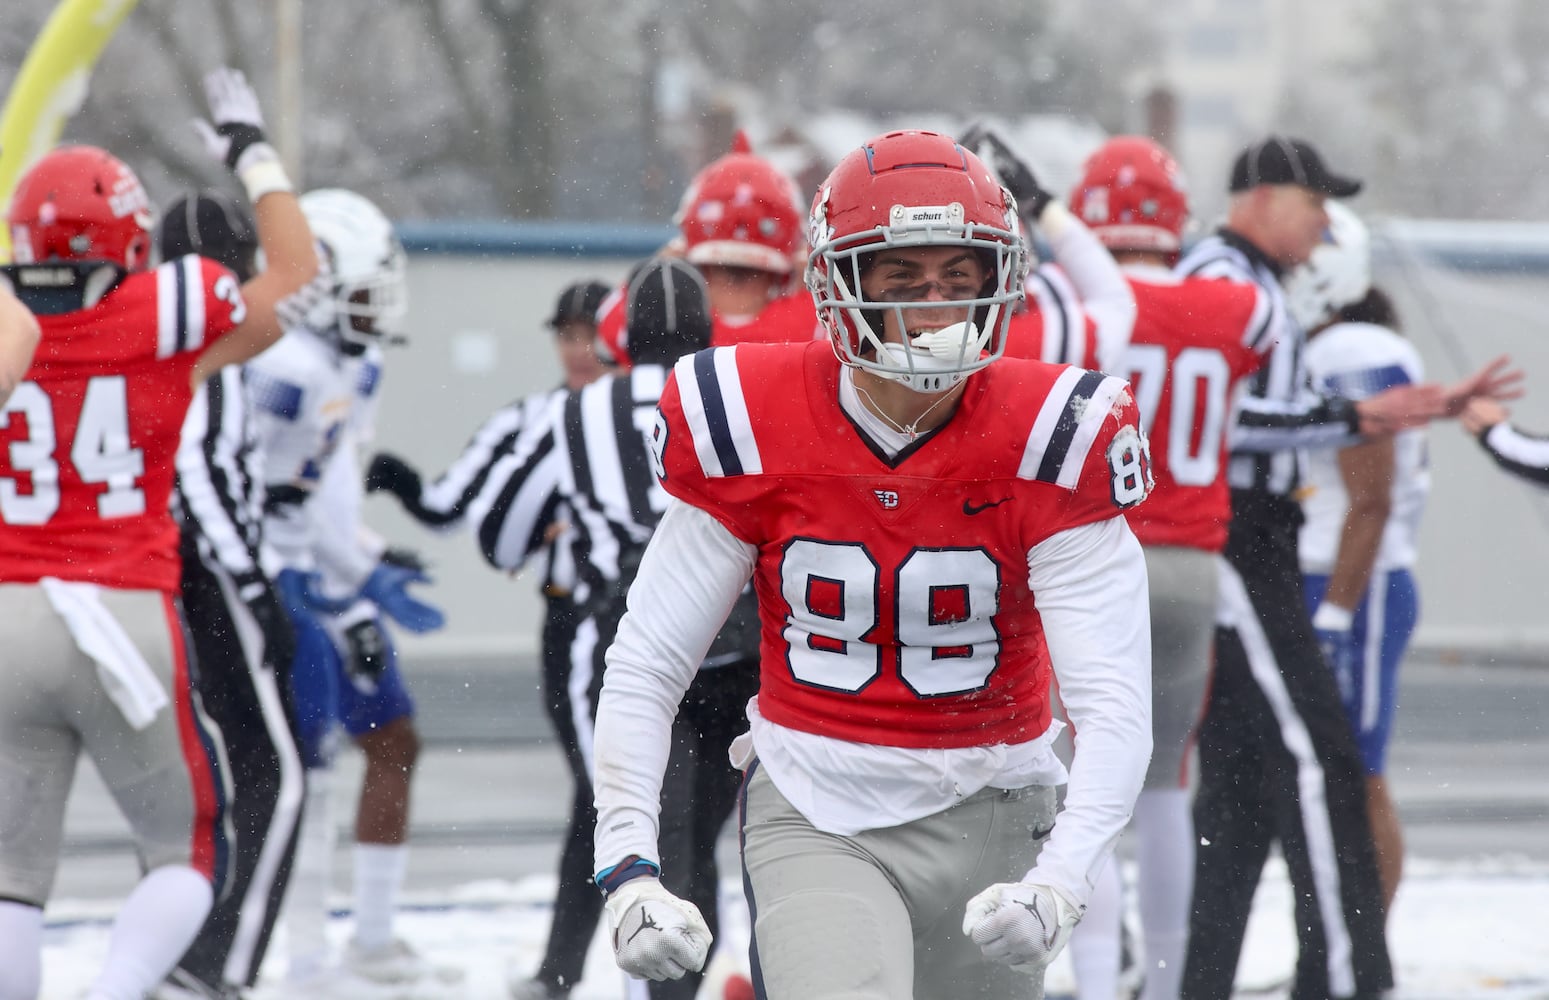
pixel 914 189
pixel 1132 197
pixel 81 203
pixel 741 211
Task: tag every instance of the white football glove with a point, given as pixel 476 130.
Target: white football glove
pixel 655 934
pixel 1020 924
pixel 238 120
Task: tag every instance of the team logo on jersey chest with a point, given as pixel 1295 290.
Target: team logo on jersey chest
pixel 887 498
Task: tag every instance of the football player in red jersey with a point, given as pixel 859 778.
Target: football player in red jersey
pixel 93 651
pixel 740 223
pixel 931 531
pixel 1194 339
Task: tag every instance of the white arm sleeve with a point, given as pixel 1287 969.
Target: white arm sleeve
pixel 1105 294
pixel 689 578
pixel 1090 587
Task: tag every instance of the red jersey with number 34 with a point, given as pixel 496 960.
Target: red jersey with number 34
pixel 87 440
pixel 894 592
pixel 1194 339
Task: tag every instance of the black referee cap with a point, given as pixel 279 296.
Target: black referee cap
pixel 1281 160
pixel 578 302
pixel 211 224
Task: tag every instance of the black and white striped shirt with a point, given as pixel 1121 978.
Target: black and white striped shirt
pixel 451 500
pixel 1277 411
pixel 443 504
pixel 219 496
pixel 591 452
pixel 1523 455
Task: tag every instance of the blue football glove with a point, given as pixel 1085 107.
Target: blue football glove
pixel 388 588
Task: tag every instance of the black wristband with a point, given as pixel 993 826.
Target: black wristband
pixel 242 137
pixel 1344 410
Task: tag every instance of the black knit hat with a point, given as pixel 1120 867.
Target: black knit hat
pixel 667 312
pixel 211 224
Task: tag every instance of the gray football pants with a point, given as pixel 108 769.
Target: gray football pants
pixel 879 916
pixel 1183 615
pixel 164 777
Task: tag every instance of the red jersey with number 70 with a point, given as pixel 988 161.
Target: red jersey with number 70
pixel 1194 340
pixel 87 440
pixel 894 592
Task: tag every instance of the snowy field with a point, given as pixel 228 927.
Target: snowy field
pixel 1469 769
pixel 1459 930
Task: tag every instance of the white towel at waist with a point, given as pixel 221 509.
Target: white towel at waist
pixel 125 675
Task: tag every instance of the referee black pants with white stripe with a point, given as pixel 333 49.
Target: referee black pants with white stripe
pixel 577 903
pixel 250 701
pixel 1277 762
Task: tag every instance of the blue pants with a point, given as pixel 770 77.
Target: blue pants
pixel 1383 625
pixel 327 695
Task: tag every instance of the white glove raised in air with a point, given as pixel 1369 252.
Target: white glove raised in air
pixel 1021 924
pixel 237 136
pixel 655 934
pixel 235 113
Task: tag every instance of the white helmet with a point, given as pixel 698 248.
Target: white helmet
pixel 370 290
pixel 1338 274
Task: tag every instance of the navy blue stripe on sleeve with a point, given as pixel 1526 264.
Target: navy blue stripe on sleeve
pixel 715 413
pixel 1065 429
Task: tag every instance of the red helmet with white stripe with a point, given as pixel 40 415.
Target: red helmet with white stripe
pixel 1131 196
pixel 906 190
pixel 81 203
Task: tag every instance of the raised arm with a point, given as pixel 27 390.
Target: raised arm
pixel 290 281
pixel 1105 295
pixel 19 336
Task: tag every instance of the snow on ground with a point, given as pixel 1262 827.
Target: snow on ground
pixel 1460 930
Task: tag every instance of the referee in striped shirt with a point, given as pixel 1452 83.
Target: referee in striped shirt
pixel 539 520
pixel 1276 757
pixel 241 635
pixel 599 448
pixel 1277 760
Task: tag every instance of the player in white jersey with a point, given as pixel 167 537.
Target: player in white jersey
pixel 314 393
pixel 1363 505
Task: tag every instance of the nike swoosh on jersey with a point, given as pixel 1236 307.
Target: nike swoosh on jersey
pixel 970 508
